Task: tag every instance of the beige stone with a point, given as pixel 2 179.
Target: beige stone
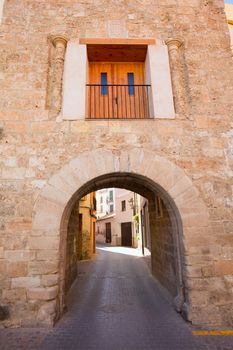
pixel 25 282
pixel 14 295
pixel 47 313
pixel 44 242
pixel 49 280
pixel 47 161
pixel 42 267
pixel 18 269
pixel 42 293
pixel 224 267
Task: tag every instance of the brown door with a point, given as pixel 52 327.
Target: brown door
pixel 124 97
pixel 126 234
pixel 108 232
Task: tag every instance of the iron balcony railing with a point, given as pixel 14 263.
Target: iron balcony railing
pixel 118 101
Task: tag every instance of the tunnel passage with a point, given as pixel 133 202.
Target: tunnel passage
pixel 165 229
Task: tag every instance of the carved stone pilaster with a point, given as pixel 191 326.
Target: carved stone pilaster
pixel 59 43
pixel 177 75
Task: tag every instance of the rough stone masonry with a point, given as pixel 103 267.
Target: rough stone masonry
pixel 37 146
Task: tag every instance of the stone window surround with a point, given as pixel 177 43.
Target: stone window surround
pixel 158 64
pixel 1 9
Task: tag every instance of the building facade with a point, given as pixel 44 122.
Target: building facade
pixel 115 221
pixel 99 94
pixel 229 14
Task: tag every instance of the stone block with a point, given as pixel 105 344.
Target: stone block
pixel 18 255
pixel 17 269
pixel 55 195
pixel 25 282
pixel 42 267
pixel 49 280
pixel 42 293
pixel 48 255
pixel 43 242
pixel 48 215
pixel 224 267
pixel 13 173
pixel 47 312
pixel 12 295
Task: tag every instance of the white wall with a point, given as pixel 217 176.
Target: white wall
pixel 74 81
pixel 123 216
pixel 230 26
pixel 101 228
pixel 1 9
pixel 159 76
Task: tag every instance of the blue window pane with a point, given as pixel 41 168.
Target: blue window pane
pixel 131 83
pixel 104 83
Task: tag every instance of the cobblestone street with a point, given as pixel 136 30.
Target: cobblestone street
pixel 115 304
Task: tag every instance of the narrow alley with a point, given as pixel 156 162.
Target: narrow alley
pixel 114 304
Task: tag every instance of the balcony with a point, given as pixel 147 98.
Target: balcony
pixel 118 101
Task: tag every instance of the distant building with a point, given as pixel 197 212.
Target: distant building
pixel 105 201
pixel 87 226
pixel 229 14
pixel 117 217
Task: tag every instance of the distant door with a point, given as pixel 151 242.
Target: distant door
pixel 126 234
pixel 108 232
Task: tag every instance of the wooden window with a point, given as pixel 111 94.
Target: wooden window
pixel 123 205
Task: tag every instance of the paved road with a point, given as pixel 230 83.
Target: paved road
pixel 115 305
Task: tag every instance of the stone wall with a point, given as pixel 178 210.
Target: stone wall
pixel 163 248
pixel 35 144
pixel 72 247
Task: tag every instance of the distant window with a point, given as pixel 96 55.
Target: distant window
pixel 111 208
pixel 110 196
pixel 131 83
pixel 101 199
pixel 101 209
pixel 123 206
pixel 94 203
pixel 104 83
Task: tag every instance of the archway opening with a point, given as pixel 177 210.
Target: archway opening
pixel 164 241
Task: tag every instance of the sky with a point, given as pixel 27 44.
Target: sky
pixel 228 1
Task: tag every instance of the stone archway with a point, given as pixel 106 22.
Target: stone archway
pixel 54 203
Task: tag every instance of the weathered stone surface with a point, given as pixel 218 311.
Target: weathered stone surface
pixel 42 293
pixel 49 280
pixel 25 282
pixel 46 313
pixel 18 269
pixel 45 160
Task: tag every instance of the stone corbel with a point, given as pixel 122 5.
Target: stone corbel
pixel 177 75
pixel 59 42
